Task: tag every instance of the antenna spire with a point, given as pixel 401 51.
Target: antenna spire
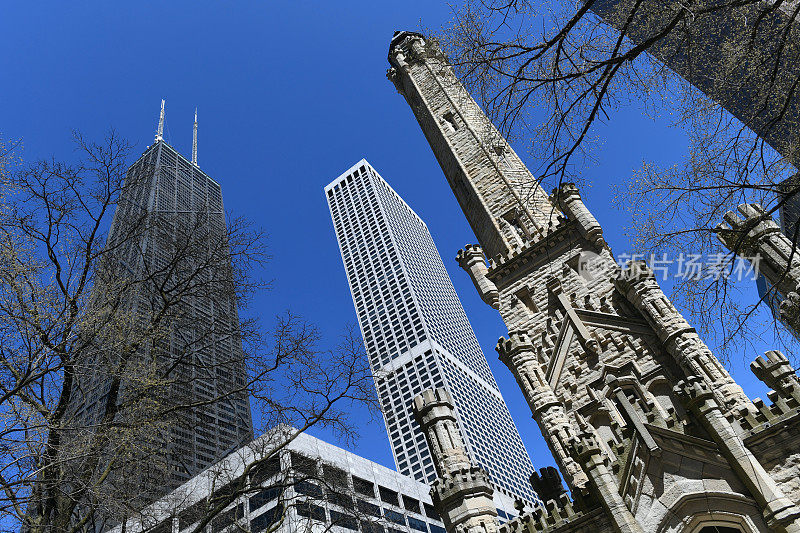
pixel 194 139
pixel 160 130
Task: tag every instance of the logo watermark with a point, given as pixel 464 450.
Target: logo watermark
pixel 683 266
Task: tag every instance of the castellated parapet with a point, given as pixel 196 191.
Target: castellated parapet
pixel 649 430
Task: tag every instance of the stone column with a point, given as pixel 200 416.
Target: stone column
pixel 568 199
pixel 681 341
pixel 471 259
pixel 758 236
pixel 462 494
pixel 517 354
pixel 780 513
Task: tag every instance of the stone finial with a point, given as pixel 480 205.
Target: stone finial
pixel 405 46
pixel 777 373
pixel 790 310
pixel 694 391
pixel 568 199
pixel 585 446
pixel 471 259
pixel 391 75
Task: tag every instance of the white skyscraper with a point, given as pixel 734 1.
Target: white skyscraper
pixel 417 335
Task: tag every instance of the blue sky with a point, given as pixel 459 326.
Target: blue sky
pixel 289 94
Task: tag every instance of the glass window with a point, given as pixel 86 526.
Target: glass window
pixel 343 520
pixel 362 486
pixel 264 496
pixel 394 516
pixel 309 510
pixel 334 477
pixel 340 498
pixel 227 518
pixel 369 527
pixel 266 519
pixel 309 489
pixel 304 465
pixel 265 470
pixel 192 514
pixel 415 523
pixel 411 504
pixel 389 496
pixel 369 508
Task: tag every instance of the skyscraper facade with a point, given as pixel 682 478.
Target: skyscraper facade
pixel 170 224
pixel 741 55
pixel 416 333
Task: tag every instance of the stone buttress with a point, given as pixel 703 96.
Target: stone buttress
pixel 649 430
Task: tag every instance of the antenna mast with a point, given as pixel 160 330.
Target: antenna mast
pixel 160 130
pixel 194 139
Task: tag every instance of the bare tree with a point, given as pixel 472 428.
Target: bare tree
pixel 101 339
pixel 551 72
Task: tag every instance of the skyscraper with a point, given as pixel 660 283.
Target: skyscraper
pixel 170 225
pixel 742 55
pixel 416 333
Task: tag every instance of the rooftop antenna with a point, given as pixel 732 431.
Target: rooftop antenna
pixel 194 139
pixel 160 130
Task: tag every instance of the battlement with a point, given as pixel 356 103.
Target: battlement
pixel 400 41
pixel 775 370
pixel 557 515
pixel 519 342
pixel 462 482
pixel 539 242
pixel 431 398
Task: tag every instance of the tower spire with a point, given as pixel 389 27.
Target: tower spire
pixel 194 139
pixel 160 130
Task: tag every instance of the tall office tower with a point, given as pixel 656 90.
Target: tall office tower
pixel 170 224
pixel 416 333
pixel 743 56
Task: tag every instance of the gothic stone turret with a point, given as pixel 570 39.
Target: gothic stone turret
pixel 598 349
pixel 757 236
pixel 462 493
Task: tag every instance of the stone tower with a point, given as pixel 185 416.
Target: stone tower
pixel 755 234
pixel 649 430
pixel 462 491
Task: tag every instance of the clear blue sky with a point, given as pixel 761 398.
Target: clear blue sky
pixel 290 94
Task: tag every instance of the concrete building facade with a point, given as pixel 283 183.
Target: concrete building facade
pixel 648 429
pixel 287 481
pixel 417 335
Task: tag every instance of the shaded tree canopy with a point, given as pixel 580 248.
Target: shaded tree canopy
pixel 72 307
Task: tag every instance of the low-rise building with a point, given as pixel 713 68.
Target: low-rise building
pixel 291 481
